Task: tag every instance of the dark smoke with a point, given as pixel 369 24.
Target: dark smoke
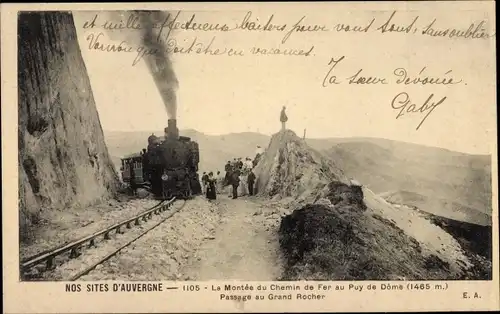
pixel 159 63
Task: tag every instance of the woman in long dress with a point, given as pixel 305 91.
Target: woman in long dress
pixel 211 188
pixel 219 183
pixel 242 188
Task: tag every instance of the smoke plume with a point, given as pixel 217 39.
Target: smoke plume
pixel 158 61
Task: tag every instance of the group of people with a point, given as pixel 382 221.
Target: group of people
pixel 239 173
pixel 239 176
pixel 209 185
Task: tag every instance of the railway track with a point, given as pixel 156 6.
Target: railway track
pixel 50 259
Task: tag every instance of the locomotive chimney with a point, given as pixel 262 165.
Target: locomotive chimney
pixel 171 131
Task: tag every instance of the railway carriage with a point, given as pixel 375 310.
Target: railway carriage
pixel 132 165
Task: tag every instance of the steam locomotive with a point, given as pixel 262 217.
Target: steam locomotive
pixel 168 167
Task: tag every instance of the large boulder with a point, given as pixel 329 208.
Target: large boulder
pixel 290 168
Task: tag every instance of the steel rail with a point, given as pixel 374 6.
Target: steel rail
pixel 75 246
pixel 26 259
pixel 107 257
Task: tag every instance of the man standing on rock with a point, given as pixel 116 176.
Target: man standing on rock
pixel 283 118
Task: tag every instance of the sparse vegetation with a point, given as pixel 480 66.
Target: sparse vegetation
pixel 346 240
pixel 343 241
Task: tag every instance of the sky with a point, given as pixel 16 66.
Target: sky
pixel 226 94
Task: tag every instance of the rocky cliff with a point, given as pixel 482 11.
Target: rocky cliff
pixel 63 159
pixel 338 229
pixel 290 168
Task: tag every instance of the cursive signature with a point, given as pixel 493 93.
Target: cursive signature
pixel 404 104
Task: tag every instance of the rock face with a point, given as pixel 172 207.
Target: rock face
pixel 63 159
pixel 290 168
pixel 338 229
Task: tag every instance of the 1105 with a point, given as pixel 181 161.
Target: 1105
pixel 191 288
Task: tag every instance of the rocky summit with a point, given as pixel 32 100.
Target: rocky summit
pixel 338 229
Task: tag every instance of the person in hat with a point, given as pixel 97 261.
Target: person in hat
pixel 283 118
pixel 211 193
pixel 250 181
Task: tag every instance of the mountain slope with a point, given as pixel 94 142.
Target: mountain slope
pixel 340 231
pixel 439 207
pixel 445 183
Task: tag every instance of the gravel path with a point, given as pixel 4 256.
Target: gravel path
pixel 244 246
pixel 225 239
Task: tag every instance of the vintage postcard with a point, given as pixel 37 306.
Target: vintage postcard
pixel 249 157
